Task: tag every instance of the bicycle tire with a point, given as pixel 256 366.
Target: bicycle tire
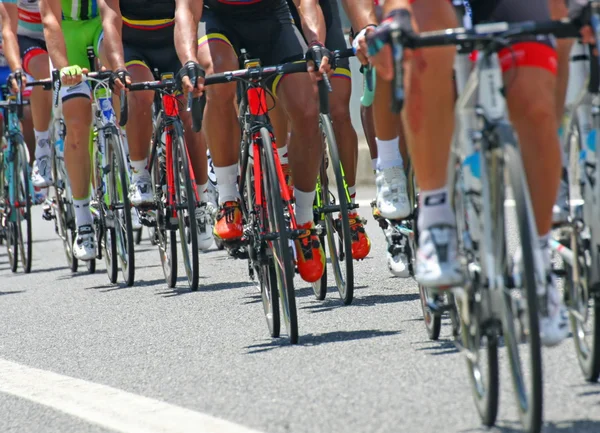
pixel 345 284
pixel 12 246
pixel 530 412
pixel 118 181
pixel 109 246
pixel 433 322
pixel 264 273
pixel 166 238
pixel 186 216
pixel 138 236
pixel 65 224
pixel 23 179
pixel 91 266
pixel 484 381
pixel 282 254
pixel 583 301
pixel 321 197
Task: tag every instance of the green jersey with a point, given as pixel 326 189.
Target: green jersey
pixel 79 10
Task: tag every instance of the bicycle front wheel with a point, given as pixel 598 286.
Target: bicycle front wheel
pixel 118 181
pixel 65 214
pixel 581 297
pixel 339 238
pixel 23 205
pixel 186 208
pixel 163 234
pixel 521 321
pixel 281 247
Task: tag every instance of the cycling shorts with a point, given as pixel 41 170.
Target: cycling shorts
pixel 534 51
pixel 273 38
pixel 334 39
pixel 164 58
pixel 30 48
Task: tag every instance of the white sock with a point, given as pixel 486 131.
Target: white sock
pixel 42 143
pixel 544 242
pixel 203 192
pixel 283 154
pixel 304 206
pixel 227 181
pixel 138 168
pixel 374 164
pixel 83 215
pixel 435 208
pixel 388 152
pixel 352 192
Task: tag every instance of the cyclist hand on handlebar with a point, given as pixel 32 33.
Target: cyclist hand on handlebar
pixel 580 13
pixel 317 55
pixel 72 75
pixel 14 79
pixel 120 80
pixel 359 43
pixel 378 41
pixel 192 78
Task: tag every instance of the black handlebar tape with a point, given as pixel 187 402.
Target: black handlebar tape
pixel 123 108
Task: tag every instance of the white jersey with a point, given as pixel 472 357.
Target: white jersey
pixel 30 20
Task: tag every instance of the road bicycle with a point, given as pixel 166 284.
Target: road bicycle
pixel 578 241
pixel 328 204
pixel 16 189
pixel 485 168
pixel 173 183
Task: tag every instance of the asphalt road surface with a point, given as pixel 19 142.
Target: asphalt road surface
pixel 78 354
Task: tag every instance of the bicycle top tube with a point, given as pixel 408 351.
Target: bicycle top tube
pixel 257 74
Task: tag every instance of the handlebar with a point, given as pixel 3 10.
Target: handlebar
pixel 486 37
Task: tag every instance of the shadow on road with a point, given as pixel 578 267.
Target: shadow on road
pixel 319 339
pixel 439 347
pixel 361 301
pixel 11 292
pixel 331 291
pixel 35 270
pixel 121 285
pixel 176 291
pixel 570 426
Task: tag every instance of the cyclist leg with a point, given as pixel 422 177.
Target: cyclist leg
pixel 531 98
pixel 165 59
pixel 281 129
pixel 36 64
pixel 428 118
pixel 77 113
pixel 559 10
pixel 216 53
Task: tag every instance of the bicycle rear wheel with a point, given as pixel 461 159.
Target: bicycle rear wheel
pixel 165 235
pixel 12 245
pixel 65 214
pixel 23 205
pixel 339 237
pixel 526 374
pixel 480 344
pixel 321 198
pixel 186 208
pixel 118 185
pixel 282 252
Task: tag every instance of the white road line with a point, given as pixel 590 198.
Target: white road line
pixel 105 406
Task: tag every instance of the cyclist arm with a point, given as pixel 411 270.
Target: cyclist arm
pixel 313 21
pixel 9 14
pixel 112 23
pixel 51 12
pixel 187 17
pixel 361 13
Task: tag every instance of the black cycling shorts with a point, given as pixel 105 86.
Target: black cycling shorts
pixel 163 58
pixel 271 37
pixel 335 39
pixel 29 48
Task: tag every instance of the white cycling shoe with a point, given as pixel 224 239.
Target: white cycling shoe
pixel 84 247
pixel 437 264
pixel 398 265
pixel 204 219
pixel 553 315
pixel 41 175
pixel 392 197
pixel 140 190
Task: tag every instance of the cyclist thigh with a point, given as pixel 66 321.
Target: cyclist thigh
pixel 32 51
pixel 138 66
